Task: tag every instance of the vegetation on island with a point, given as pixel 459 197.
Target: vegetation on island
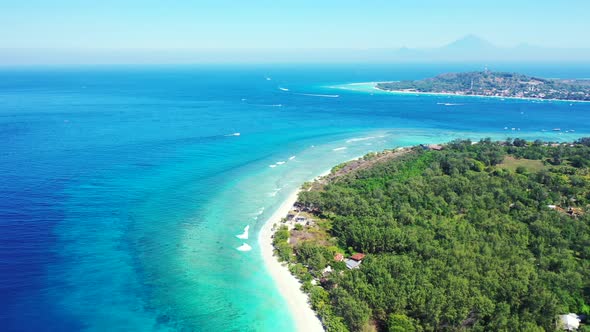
pixel 493 236
pixel 487 83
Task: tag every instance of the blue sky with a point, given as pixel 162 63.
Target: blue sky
pixel 71 30
pixel 194 24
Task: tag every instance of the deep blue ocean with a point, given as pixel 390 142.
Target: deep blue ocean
pixel 122 187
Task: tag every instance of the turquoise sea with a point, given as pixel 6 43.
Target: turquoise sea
pixel 123 188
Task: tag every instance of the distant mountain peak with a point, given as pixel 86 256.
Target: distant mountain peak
pixel 470 42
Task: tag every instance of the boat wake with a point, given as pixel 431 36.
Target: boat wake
pixel 268 105
pixel 233 134
pixel 317 95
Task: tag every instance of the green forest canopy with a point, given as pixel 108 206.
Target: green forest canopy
pixel 455 240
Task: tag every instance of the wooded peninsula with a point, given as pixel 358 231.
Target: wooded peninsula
pixel 496 84
pixel 478 236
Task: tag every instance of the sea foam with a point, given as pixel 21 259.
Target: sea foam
pixel 244 247
pixel 244 236
pixel 359 139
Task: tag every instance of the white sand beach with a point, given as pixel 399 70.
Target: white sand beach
pixel 289 287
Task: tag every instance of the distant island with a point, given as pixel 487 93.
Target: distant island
pixel 495 84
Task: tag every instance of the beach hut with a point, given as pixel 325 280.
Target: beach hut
pixel 358 257
pixel 352 264
pixel 354 261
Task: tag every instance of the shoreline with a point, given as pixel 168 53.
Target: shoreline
pixel 305 318
pixel 401 92
pixel 289 287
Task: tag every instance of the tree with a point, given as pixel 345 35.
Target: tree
pixel 356 313
pixel 557 155
pixel 400 323
pixel 519 142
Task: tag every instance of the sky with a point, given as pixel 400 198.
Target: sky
pixel 86 26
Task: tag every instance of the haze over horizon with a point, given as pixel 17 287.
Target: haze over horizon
pixel 66 31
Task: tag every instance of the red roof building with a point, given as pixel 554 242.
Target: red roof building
pixel 358 257
pixel 339 257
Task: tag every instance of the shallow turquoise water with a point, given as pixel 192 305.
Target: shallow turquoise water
pixel 123 189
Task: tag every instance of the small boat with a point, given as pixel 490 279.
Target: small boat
pixel 556 129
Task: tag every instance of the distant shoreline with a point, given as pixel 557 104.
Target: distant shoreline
pixel 403 92
pixel 495 85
